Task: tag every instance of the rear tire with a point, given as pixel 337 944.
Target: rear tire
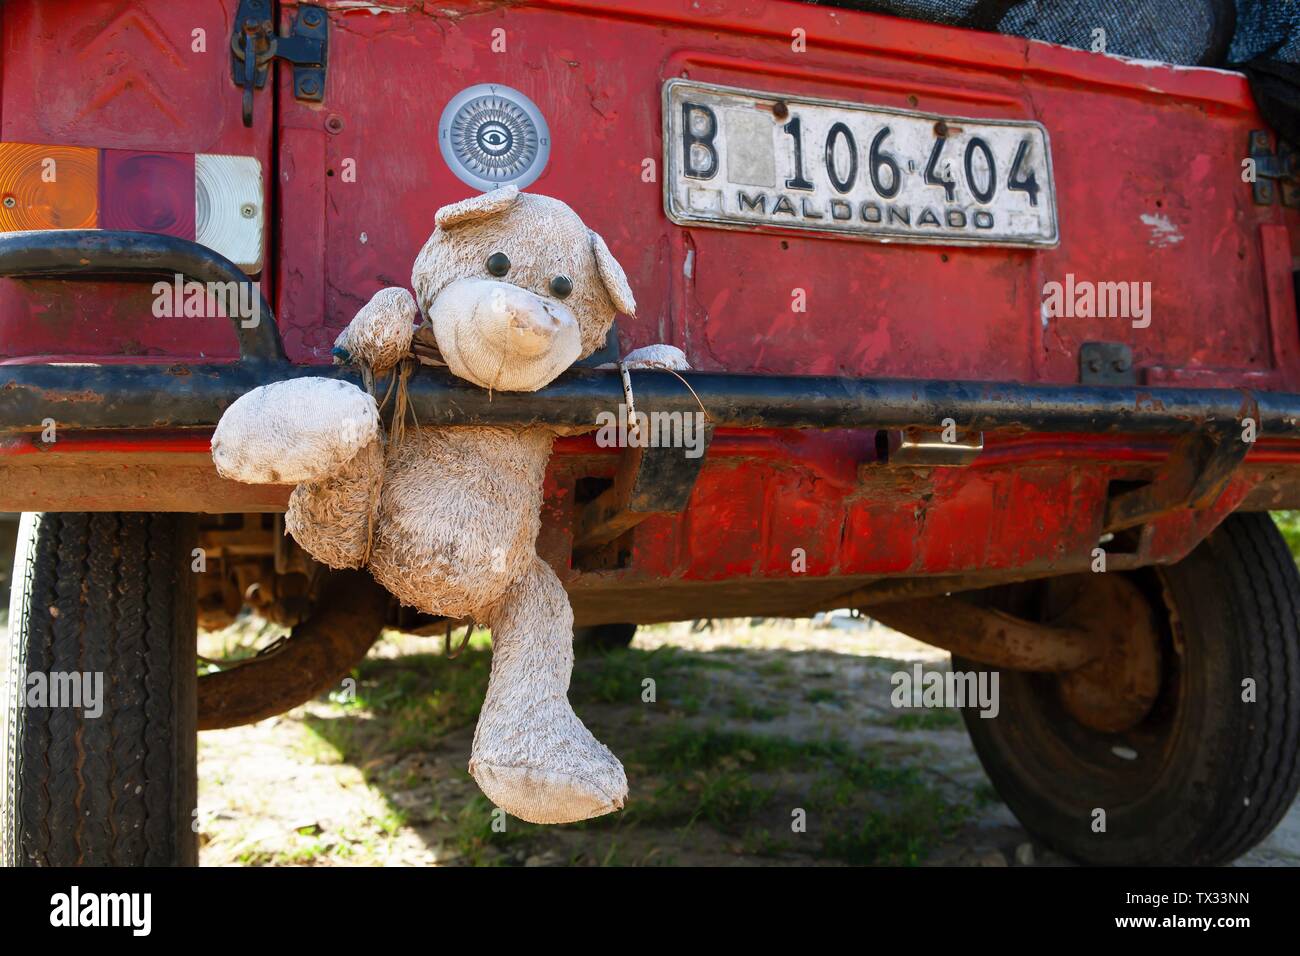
pixel 1205 775
pixel 112 782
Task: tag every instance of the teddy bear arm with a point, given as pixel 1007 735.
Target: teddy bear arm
pixel 379 335
pixel 655 356
pixel 333 519
pixel 303 429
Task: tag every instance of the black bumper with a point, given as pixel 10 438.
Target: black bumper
pixel 194 396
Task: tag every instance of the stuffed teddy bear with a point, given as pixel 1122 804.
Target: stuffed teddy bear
pixel 514 289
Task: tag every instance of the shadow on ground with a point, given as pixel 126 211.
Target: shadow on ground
pixel 734 754
pixel 755 744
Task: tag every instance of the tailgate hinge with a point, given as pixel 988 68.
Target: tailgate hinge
pixel 1282 168
pixel 306 46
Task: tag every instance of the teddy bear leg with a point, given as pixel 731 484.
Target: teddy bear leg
pixel 532 756
pixel 333 519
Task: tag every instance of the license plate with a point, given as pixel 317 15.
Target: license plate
pixel 748 159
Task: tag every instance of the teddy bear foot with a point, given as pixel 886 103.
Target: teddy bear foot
pixel 532 756
pixel 304 429
pixel 537 795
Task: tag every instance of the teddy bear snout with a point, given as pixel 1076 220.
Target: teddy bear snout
pixel 525 324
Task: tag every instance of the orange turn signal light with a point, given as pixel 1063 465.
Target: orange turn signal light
pixel 48 187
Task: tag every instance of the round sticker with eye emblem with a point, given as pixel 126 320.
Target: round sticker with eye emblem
pixel 493 136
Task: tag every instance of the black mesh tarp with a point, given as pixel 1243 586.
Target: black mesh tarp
pixel 1260 37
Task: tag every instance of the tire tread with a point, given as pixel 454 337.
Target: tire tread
pixel 109 594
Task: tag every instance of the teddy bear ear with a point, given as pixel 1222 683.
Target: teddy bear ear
pixel 476 207
pixel 611 273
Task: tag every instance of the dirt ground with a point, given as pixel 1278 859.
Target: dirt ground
pixel 753 726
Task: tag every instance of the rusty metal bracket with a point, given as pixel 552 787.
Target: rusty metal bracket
pixel 1282 168
pixel 918 447
pixel 1106 363
pixel 649 481
pixel 1193 477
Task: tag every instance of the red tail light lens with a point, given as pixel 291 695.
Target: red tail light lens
pixel 147 192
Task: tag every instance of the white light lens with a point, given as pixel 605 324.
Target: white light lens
pixel 228 213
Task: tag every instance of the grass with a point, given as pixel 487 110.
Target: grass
pixel 821 695
pixel 901 836
pixel 418 700
pixel 734 789
pixel 744 707
pixel 1288 522
pixel 944 718
pixel 732 780
pixel 620 676
pixel 482 832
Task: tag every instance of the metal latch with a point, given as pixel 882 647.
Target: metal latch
pixel 306 46
pixel 1282 167
pixel 649 482
pixel 918 447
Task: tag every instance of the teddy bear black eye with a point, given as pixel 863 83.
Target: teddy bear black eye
pixel 561 286
pixel 498 264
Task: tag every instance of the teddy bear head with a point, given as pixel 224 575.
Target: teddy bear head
pixel 516 289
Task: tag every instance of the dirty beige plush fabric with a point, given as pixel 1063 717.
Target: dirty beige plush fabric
pixel 543 238
pixel 531 752
pixel 514 288
pixel 655 356
pixel 458 516
pixel 300 430
pixel 334 518
pixel 379 336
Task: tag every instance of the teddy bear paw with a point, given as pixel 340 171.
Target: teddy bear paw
pixel 539 795
pixel 657 356
pixel 547 769
pixel 380 334
pixel 290 432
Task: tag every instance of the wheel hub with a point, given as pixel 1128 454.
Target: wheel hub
pixel 1117 690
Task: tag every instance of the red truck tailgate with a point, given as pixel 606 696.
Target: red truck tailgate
pixel 1147 163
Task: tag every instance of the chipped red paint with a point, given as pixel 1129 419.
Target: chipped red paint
pixel 1129 141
